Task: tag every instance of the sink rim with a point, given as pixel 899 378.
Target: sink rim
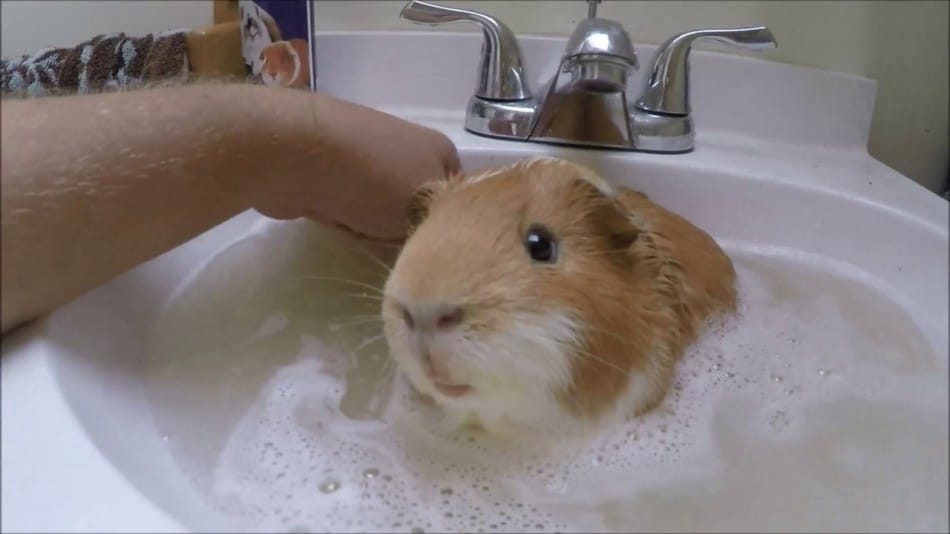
pixel 50 358
pixel 30 362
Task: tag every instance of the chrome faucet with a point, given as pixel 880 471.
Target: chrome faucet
pixel 586 102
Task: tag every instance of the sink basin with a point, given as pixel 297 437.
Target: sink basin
pixel 122 410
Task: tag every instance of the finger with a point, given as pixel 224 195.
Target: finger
pixel 321 219
pixel 453 165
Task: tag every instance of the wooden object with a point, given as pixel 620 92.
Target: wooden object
pixel 225 11
pixel 215 51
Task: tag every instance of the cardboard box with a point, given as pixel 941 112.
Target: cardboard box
pixel 277 42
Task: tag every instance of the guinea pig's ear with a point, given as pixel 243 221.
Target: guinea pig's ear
pixel 621 232
pixel 418 207
pixel 611 219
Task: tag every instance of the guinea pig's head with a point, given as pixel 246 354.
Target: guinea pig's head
pixel 511 297
pixel 277 63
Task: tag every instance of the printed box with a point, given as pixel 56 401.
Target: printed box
pixel 277 42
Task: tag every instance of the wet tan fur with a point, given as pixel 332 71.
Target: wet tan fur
pixel 640 280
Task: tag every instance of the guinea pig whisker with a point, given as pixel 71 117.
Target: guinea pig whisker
pixel 353 353
pixel 366 253
pixel 384 377
pixel 360 316
pixel 574 400
pixel 613 335
pixel 384 371
pixel 365 296
pixel 605 362
pixel 368 341
pixel 357 283
pixel 358 321
pixel 594 357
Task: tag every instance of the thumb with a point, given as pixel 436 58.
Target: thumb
pixel 383 248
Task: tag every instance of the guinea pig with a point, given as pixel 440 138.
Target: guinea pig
pixel 538 294
pixel 286 64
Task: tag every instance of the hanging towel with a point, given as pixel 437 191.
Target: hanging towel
pixel 107 61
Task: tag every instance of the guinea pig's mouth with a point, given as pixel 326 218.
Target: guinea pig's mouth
pixel 452 390
pixel 447 388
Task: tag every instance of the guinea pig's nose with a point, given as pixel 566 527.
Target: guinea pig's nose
pixel 440 317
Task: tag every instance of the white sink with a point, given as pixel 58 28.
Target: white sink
pixel 117 408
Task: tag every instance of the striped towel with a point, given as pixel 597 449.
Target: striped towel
pixel 107 61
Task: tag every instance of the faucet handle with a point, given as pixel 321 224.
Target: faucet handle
pixel 501 72
pixel 667 88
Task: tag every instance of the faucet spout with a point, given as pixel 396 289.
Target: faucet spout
pixel 587 101
pixel 599 56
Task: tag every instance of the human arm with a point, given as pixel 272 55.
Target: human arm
pixel 94 185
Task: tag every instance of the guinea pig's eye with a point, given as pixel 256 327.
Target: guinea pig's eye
pixel 541 244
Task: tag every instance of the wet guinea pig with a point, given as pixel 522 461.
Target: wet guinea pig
pixel 537 295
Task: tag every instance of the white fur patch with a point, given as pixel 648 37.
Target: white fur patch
pixel 514 372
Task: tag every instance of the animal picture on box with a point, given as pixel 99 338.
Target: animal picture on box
pixel 258 30
pixel 275 42
pixel 285 63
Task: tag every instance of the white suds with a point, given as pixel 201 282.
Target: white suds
pixel 813 409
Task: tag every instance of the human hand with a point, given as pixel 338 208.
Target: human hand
pixel 347 165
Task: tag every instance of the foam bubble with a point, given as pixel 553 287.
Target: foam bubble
pixel 800 398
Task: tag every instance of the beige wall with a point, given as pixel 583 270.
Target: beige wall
pixel 902 44
pixel 26 26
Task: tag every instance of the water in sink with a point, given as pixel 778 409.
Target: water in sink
pixel 822 407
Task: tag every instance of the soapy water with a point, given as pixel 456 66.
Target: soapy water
pixel 820 406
